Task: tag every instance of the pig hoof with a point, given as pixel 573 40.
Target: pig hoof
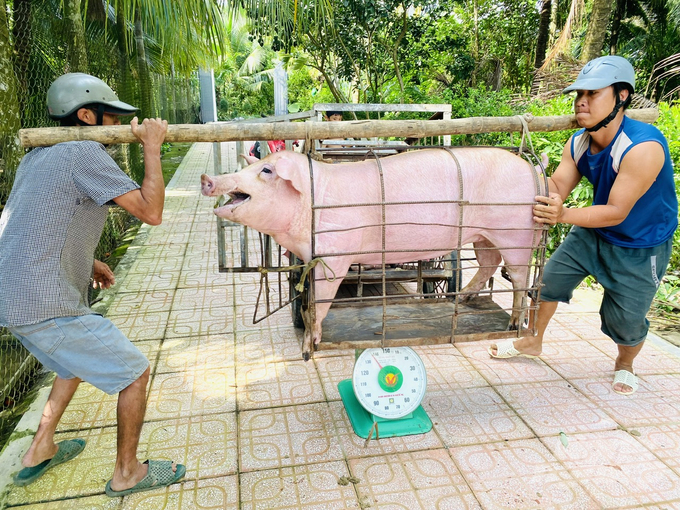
pixel 512 327
pixel 305 356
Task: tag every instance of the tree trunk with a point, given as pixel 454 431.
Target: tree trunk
pixel 143 75
pixel 619 11
pixel 597 29
pixel 75 37
pixel 10 118
pixel 552 29
pixel 172 116
pixel 543 27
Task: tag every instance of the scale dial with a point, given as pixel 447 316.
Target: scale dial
pixel 389 383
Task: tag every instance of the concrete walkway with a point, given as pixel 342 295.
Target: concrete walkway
pixel 258 428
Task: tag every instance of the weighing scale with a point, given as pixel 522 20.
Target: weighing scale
pixel 383 397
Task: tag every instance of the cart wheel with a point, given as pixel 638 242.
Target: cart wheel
pixel 296 304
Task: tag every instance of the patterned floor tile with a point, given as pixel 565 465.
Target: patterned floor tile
pixel 203 277
pixel 149 282
pixel 256 345
pixel 86 475
pixel 520 474
pixel 574 360
pixel 245 316
pixel 148 266
pixel 447 369
pixel 663 441
pixel 617 470
pixel 307 487
pixel 355 446
pixel 267 384
pixel 146 326
pixel 168 238
pixel 472 416
pixel 657 401
pixel 136 303
pixel 193 393
pixel 201 298
pixel 554 406
pixel 200 353
pixel 101 502
pixel 206 445
pixel 332 370
pixel 207 494
pixel 505 371
pixel 213 321
pixel 287 436
pixel 414 480
pixel 655 360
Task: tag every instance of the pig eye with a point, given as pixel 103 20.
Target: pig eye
pixel 267 170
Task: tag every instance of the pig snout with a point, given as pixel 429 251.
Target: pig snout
pixel 207 185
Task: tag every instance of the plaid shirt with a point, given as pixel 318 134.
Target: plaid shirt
pixel 50 228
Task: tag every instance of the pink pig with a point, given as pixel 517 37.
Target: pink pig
pixel 273 196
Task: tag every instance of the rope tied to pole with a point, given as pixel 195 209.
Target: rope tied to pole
pixel 306 268
pixel 526 134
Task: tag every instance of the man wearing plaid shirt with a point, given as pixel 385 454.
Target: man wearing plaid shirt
pixel 49 230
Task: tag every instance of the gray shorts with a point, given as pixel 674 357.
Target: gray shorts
pixel 89 347
pixel 630 278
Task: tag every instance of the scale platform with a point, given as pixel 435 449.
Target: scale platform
pixel 364 423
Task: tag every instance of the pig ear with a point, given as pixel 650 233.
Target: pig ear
pixel 290 171
pixel 250 159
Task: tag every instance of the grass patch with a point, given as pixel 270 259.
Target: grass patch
pixel 172 155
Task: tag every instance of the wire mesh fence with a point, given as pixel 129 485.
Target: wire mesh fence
pixel 36 46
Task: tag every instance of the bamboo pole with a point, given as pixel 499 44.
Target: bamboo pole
pixel 235 131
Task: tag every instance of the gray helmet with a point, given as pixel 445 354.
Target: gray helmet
pixel 72 91
pixel 602 72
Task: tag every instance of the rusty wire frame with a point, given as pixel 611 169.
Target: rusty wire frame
pixel 277 280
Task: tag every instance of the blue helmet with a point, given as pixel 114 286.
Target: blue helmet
pixel 602 72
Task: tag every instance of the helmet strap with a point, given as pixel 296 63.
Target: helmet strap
pixel 100 114
pixel 605 122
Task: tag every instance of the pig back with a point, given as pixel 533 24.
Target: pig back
pixel 424 203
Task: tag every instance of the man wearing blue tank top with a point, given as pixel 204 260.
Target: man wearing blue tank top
pixel 624 238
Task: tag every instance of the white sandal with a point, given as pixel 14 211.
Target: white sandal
pixel 627 378
pixel 506 349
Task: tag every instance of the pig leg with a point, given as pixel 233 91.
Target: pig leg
pixel 324 289
pixel 488 261
pixel 518 270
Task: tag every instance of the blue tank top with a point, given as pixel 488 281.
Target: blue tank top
pixel 654 217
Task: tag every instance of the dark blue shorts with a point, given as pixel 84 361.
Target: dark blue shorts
pixel 629 276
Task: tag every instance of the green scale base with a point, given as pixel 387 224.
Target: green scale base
pixel 363 422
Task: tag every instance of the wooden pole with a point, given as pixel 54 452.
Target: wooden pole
pixel 235 131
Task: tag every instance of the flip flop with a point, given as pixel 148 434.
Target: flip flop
pixel 506 349
pixel 160 474
pixel 68 449
pixel 627 378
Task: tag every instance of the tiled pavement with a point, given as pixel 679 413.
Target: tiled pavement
pixel 258 428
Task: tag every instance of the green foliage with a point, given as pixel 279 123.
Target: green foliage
pixel 482 102
pixel 669 125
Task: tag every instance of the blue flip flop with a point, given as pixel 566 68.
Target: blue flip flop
pixel 68 449
pixel 160 474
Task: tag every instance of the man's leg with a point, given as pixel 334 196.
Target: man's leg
pixel 624 361
pixel 131 409
pixel 534 344
pixel 43 446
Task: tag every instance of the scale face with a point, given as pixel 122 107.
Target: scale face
pixel 389 383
